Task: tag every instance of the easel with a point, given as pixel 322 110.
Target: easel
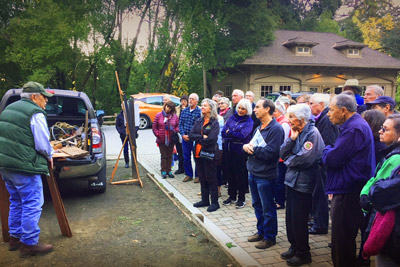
pixel 129 125
pixel 57 203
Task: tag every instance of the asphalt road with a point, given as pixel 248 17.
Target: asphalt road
pixel 145 143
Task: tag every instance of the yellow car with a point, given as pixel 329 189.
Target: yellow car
pixel 150 104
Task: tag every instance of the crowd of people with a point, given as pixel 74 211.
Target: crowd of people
pixel 322 153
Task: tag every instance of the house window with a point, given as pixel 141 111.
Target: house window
pixel 266 89
pixel 353 52
pixel 313 89
pixel 285 88
pixel 303 50
pixel 228 90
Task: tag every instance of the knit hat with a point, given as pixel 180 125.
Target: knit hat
pixel 184 97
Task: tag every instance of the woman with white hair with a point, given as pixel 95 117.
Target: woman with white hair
pixel 301 153
pixel 279 187
pixel 237 132
pixel 205 133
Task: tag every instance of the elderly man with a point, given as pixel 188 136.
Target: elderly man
pixel 263 151
pixel 237 94
pixel 250 96
pixel 319 104
pixel 186 121
pixel 384 104
pixel 216 98
pixel 372 92
pixel 350 163
pixel 353 86
pixel 25 152
pixel 303 99
pixel 287 94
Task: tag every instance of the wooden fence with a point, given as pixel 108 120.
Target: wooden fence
pixel 109 119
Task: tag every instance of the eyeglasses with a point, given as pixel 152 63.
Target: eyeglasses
pixel 383 129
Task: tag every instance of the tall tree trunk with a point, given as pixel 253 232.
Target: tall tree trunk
pixel 94 88
pixel 131 55
pixel 204 82
pixel 171 76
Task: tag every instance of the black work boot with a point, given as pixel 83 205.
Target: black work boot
pixel 38 249
pixel 205 198
pixel 214 200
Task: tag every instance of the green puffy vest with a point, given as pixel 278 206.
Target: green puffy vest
pixel 17 145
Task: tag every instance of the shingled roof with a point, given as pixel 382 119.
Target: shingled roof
pixel 324 53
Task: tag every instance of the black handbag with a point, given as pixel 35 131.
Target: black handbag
pixel 175 138
pixel 206 155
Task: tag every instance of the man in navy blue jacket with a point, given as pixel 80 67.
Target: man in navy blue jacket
pixel 319 104
pixel 350 163
pixel 263 170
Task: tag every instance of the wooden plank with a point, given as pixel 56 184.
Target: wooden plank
pixel 4 210
pixel 74 152
pixel 58 205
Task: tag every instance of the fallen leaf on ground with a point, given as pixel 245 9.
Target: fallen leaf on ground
pixel 230 245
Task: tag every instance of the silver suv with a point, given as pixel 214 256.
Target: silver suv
pixel 70 107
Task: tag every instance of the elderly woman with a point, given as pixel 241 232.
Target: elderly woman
pixel 301 153
pixel 164 126
pixel 389 135
pixel 279 187
pixel 205 135
pixel 237 132
pixel 224 109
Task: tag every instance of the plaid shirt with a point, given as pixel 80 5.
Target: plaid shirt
pixel 187 119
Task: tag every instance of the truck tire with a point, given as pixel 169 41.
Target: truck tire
pixel 144 122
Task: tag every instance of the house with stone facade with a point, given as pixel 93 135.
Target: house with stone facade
pixel 301 61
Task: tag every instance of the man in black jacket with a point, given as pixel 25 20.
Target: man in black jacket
pixel 262 165
pixel 319 104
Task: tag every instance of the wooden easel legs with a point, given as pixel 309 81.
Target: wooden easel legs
pixel 116 166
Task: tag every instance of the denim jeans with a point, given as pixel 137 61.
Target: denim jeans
pixel 264 206
pixel 187 148
pixel 26 198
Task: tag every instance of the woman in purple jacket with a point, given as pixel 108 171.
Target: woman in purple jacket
pixel 164 126
pixel 237 132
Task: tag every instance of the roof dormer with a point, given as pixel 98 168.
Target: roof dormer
pixel 349 48
pixel 300 46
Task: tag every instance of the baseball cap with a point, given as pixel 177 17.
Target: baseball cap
pixel 34 87
pixel 283 99
pixel 383 100
pixel 285 93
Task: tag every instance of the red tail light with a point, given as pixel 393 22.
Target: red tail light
pixel 96 140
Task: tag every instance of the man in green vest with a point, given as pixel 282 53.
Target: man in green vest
pixel 25 151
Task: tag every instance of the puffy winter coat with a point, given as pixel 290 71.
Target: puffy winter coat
pixel 165 124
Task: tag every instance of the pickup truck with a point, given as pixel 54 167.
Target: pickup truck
pixel 70 107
